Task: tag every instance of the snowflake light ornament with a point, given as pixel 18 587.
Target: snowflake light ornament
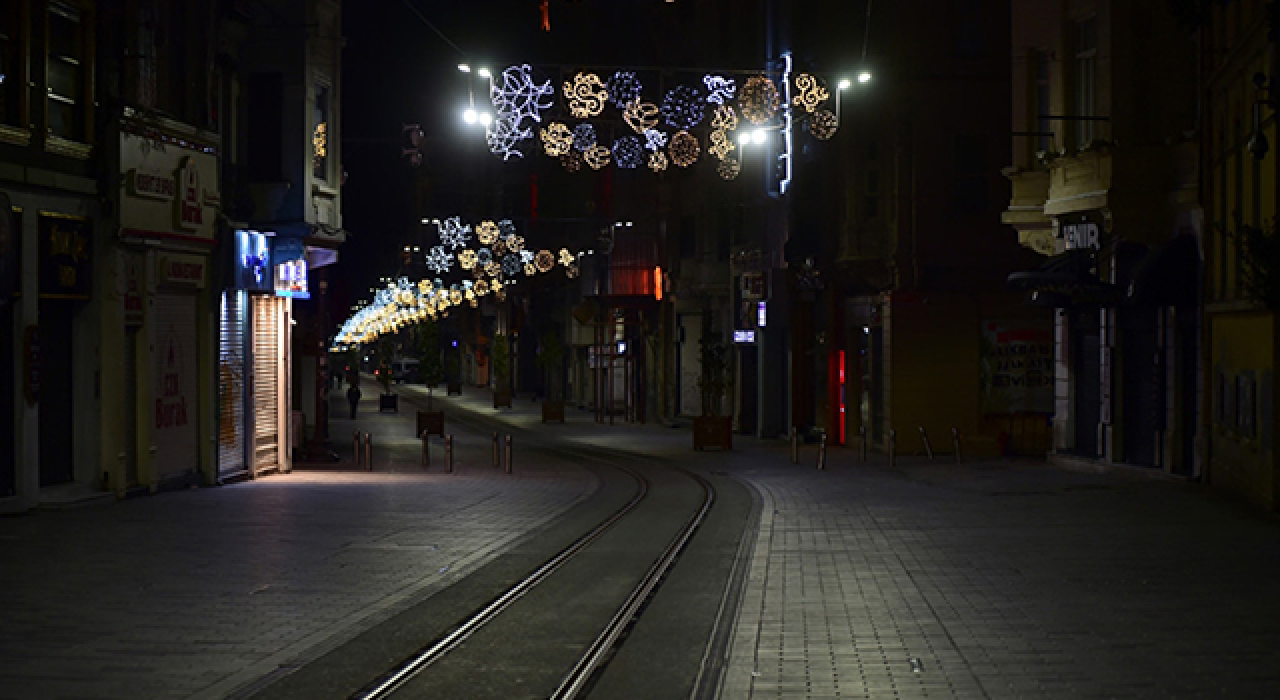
pixel 655 140
pixel 683 107
pixel 530 269
pixel 506 227
pixel 484 256
pixel 545 260
pixel 641 116
pixel 586 95
pixel 515 244
pixel 657 161
pixel 493 269
pixel 556 139
pixel 758 99
pixel 724 118
pixel 810 92
pixel 511 266
pixel 454 233
pixel 684 149
pixel 823 124
pixel 486 232
pixel 519 97
pixel 624 88
pixel 499 248
pixel 482 287
pixel 526 256
pixel 628 153
pixel 504 136
pixel 572 161
pixel 597 157
pixel 584 136
pixel 721 145
pixel 729 168
pixel 467 259
pixel 566 258
pixel 720 89
pixel 439 260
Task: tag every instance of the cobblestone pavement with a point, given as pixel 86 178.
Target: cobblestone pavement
pixel 197 593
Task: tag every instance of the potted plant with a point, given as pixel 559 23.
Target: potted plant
pixel 712 429
pixel 500 359
pixel 550 357
pixel 385 351
pixel 431 371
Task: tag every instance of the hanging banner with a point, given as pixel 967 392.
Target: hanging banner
pixel 66 256
pixel 170 191
pixel 1017 367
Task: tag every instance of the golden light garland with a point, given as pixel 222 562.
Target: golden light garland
pixel 810 92
pixel 721 145
pixel 493 269
pixel 530 269
pixel 684 149
pixel 597 156
pixel 566 257
pixel 586 95
pixel 515 243
pixel 557 140
pixel 657 161
pixel 544 260
pixel 499 248
pixel 758 99
pixel 572 161
pixel 486 232
pixel 729 168
pixel 641 116
pixel 724 118
pixel 467 259
pixel 823 124
pixel 482 287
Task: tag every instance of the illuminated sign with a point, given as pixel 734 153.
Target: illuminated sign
pixel 253 261
pixel 744 337
pixel 291 280
pixel 762 314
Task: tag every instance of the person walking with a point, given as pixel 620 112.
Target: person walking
pixel 353 398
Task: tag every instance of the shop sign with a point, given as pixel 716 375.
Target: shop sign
pixel 180 269
pixel 291 280
pixel 1081 230
pixel 9 262
pixel 171 405
pixel 1017 366
pixel 744 337
pixel 171 191
pixel 133 307
pixel 66 257
pixel 253 261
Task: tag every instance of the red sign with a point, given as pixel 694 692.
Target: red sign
pixel 171 405
pixel 190 209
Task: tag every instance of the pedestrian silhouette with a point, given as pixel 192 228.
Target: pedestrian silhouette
pixel 353 398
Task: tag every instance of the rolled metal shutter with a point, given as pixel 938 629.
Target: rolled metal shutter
pixel 232 377
pixel 266 383
pixel 174 395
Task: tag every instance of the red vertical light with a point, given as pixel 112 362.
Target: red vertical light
pixel 840 360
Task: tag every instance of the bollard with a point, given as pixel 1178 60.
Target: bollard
pixel 955 442
pixel 893 445
pixel 508 460
pixel 862 443
pixel 368 452
pixel 822 452
pixel 496 458
pixel 928 448
pixel 795 446
pixel 448 453
pixel 355 449
pixel 426 450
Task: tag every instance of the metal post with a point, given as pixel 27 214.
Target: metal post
pixel 426 450
pixel 955 442
pixel 355 449
pixel 862 443
pixel 928 448
pixel 495 451
pixel 448 453
pixel 822 453
pixel 795 446
pixel 368 452
pixel 893 445
pixel 508 459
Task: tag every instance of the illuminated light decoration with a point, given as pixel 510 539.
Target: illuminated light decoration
pixel 506 228
pixel 515 244
pixel 586 95
pixel 467 259
pixel 484 256
pixel 683 107
pixel 641 116
pixel 493 269
pixel 597 157
pixel 504 136
pixel 721 145
pixel 758 99
pixel 657 283
pixel 544 260
pixel 530 269
pixel 724 118
pixel 439 259
pixel 684 149
pixel 519 97
pixel 454 233
pixel 478 270
pixel 557 140
pixel 526 256
pixel 455 296
pixel 572 161
pixel 319 143
pixel 482 287
pixel 628 153
pixel 584 136
pixel 499 248
pixel 571 271
pixel 566 258
pixel 486 232
pixel 823 124
pixel 511 265
pixel 655 140
pixel 657 161
pixel 624 88
pixel 720 89
pixel 811 92
pixel 785 156
pixel 729 168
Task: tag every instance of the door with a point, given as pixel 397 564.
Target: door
pixel 1086 370
pixel 266 383
pixel 232 450
pixel 174 389
pixel 56 390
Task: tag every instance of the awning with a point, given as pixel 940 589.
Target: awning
pixel 1063 280
pixel 1169 276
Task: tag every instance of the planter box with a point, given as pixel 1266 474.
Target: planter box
pixel 431 422
pixel 552 411
pixel 713 431
pixel 502 399
pixel 389 402
pixel 453 389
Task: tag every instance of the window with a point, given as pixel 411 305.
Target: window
pixel 1086 80
pixel 11 55
pixel 320 134
pixel 65 73
pixel 1041 109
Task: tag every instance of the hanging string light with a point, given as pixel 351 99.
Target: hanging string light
pixel 657 161
pixel 597 157
pixel 655 140
pixel 683 107
pixel 439 260
pixel 586 95
pixel 467 259
pixel 544 260
pixel 584 136
pixel 809 92
pixel 720 90
pixel 724 118
pixel 758 99
pixel 641 116
pixel 823 124
pixel 566 257
pixel 729 168
pixel 572 161
pixel 454 233
pixel 556 139
pixel 684 149
pixel 721 145
pixel 628 153
pixel 486 232
pixel 624 88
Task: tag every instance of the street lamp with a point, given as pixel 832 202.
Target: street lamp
pixel 469 115
pixel 843 84
pixel 484 73
pixel 464 68
pixel 864 77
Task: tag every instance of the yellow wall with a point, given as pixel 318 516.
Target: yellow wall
pixel 1244 464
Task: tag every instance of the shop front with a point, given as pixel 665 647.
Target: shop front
pixel 251 275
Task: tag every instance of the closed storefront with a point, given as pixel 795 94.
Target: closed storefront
pixel 10 264
pixel 268 372
pixel 232 373
pixel 174 386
